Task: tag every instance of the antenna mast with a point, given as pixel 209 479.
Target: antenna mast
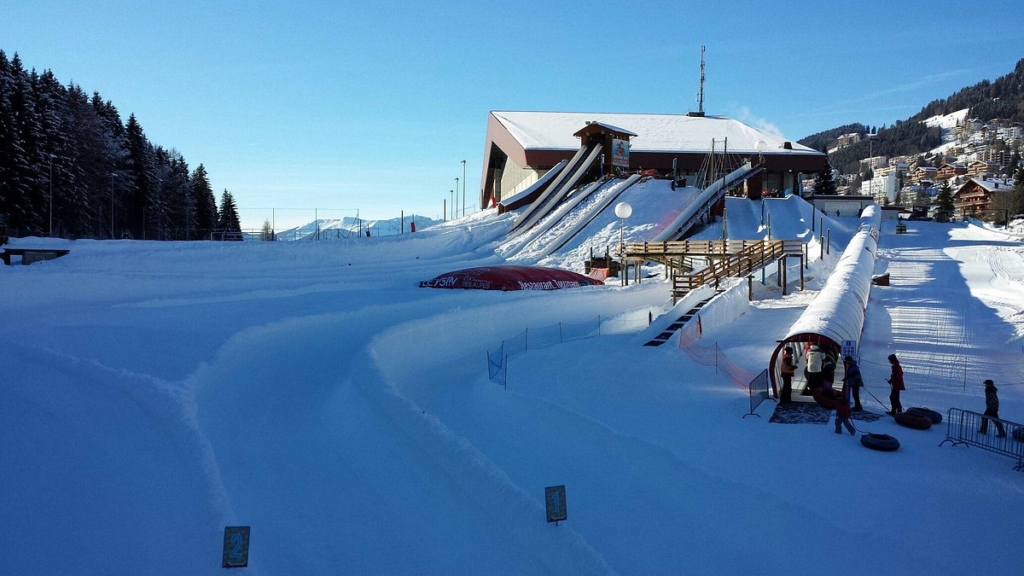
pixel 700 95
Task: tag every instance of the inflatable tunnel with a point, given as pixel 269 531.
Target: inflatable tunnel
pixel 836 315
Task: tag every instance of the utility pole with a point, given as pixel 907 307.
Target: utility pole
pixel 51 196
pixel 463 187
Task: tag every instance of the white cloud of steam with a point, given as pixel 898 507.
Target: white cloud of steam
pixel 743 114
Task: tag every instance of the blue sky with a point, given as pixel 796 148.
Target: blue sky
pixel 372 106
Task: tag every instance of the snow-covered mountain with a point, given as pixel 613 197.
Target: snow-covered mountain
pixel 350 227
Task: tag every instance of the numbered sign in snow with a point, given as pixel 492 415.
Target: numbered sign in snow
pixel 554 497
pixel 236 546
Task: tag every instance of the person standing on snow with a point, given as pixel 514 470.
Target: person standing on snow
pixel 828 368
pixel 843 412
pixel 813 370
pixel 787 370
pixel 895 380
pixel 991 410
pixel 852 381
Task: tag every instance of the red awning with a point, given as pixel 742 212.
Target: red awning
pixel 510 277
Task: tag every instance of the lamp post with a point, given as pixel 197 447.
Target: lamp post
pixel 51 196
pixel 623 210
pixel 111 205
pixel 457 198
pixel 463 187
pixel 451 198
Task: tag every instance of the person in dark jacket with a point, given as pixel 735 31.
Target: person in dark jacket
pixel 852 381
pixel 895 380
pixel 991 409
pixel 828 368
pixel 787 370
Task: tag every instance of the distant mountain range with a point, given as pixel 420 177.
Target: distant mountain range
pixel 999 99
pixel 349 227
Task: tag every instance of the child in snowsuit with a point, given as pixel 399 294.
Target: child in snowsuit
pixel 843 413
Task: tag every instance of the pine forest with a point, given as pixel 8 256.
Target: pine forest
pixel 70 167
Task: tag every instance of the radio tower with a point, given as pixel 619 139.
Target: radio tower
pixel 700 95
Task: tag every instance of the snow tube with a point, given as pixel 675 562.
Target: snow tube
pixel 932 415
pixel 915 421
pixel 881 442
pixel 825 397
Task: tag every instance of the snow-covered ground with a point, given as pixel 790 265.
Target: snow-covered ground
pixel 153 393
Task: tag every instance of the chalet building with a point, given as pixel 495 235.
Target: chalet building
pixel 947 171
pixel 983 168
pixel 922 173
pixel 979 197
pixel 521 147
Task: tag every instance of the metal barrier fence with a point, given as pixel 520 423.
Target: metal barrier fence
pixel 1001 436
pixel 537 338
pixel 758 391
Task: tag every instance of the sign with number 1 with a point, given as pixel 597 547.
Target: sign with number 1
pixel 554 498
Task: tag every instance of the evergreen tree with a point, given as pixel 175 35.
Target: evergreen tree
pixel 18 184
pixel 203 204
pixel 67 163
pixel 824 183
pixel 174 195
pixel 227 220
pixel 140 171
pixel 1017 202
pixel 944 203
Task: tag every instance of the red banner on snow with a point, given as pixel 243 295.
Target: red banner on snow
pixel 511 277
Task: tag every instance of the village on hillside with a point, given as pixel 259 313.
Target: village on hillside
pixel 976 160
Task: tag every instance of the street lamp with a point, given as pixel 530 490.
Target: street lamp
pixel 111 205
pixel 457 197
pixel 623 210
pixel 463 187
pixel 51 196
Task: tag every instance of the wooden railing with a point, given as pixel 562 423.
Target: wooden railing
pixel 751 256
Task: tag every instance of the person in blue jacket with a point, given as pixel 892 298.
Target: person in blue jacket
pixel 852 381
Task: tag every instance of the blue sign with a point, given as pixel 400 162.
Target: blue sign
pixel 236 547
pixel 554 499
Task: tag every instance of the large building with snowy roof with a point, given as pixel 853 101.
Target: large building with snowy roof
pixel 522 146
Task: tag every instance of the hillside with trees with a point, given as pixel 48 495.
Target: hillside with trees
pixel 70 167
pixel 1002 98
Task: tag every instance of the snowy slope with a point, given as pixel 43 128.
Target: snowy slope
pixel 154 393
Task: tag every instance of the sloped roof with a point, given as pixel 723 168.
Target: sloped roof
pixel 655 132
pixel 995 185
